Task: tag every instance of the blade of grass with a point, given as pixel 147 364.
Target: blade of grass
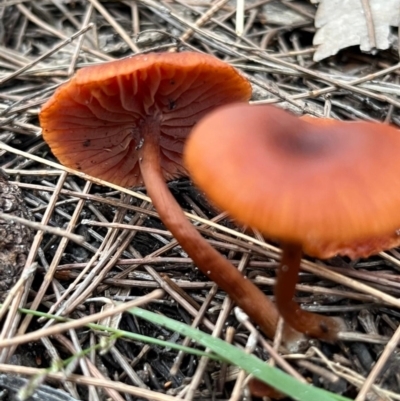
pixel 251 364
pixel 222 351
pixel 121 334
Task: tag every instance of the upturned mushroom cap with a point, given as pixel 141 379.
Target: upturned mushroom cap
pixel 359 248
pixel 97 121
pixel 295 181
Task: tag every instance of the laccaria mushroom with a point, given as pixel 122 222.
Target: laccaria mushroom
pixel 126 122
pixel 355 249
pixel 299 183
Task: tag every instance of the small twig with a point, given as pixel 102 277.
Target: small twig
pixel 197 320
pixel 203 19
pixel 196 379
pixel 45 55
pixel 30 16
pixel 243 318
pixel 370 22
pixel 241 378
pixel 78 47
pixel 376 370
pixel 59 328
pixel 79 379
pixel 121 31
pixel 79 239
pixel 126 227
pixel 239 27
pixel 17 286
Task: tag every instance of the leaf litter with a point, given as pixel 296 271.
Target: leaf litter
pixel 113 264
pixel 367 23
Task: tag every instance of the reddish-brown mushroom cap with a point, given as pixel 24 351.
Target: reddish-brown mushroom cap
pixel 359 248
pixel 294 181
pixel 97 121
pixel 355 249
pixel 302 183
pixel 126 122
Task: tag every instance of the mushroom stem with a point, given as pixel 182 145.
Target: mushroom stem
pixel 242 291
pixel 312 324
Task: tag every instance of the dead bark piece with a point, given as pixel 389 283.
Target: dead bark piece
pixel 15 238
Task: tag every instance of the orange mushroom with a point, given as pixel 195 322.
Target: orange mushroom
pixel 126 122
pixel 355 249
pixel 299 183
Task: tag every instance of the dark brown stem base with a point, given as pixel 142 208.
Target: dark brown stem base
pixel 312 324
pixel 242 291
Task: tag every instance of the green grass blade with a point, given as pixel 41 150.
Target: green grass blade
pixel 251 364
pixel 127 334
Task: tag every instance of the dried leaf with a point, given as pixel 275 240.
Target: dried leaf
pixel 343 23
pixel 278 13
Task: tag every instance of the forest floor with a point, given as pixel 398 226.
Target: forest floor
pixel 42 44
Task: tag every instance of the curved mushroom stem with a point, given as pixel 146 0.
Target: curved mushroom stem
pixel 312 324
pixel 242 291
pixel 259 389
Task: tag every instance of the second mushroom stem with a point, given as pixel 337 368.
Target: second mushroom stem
pixel 312 324
pixel 216 267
